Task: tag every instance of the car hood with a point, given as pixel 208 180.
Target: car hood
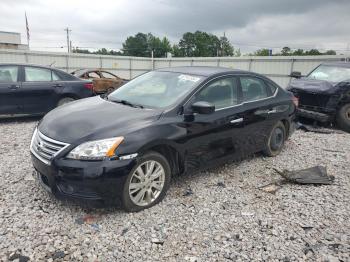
pixel 312 86
pixel 94 118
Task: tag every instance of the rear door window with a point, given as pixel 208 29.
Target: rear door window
pixel 37 74
pixel 222 93
pixel 8 74
pixel 253 88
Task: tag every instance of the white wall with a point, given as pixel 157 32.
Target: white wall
pixel 276 68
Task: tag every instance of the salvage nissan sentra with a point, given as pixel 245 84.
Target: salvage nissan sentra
pixel 125 147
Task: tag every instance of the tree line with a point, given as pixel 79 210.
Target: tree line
pixel 197 44
pixel 287 51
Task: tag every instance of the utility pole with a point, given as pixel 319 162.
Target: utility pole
pixel 152 57
pixel 68 41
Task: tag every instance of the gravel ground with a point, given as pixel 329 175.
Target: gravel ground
pixel 223 216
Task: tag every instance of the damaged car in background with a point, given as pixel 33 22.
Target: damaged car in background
pixel 125 147
pixel 324 94
pixel 103 81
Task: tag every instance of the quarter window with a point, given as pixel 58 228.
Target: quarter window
pixel 272 87
pixel 8 74
pixel 222 93
pixel 107 75
pixel 37 74
pixel 253 89
pixel 55 77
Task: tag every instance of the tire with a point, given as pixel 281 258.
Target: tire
pixel 142 189
pixel 343 117
pixel 65 100
pixel 275 142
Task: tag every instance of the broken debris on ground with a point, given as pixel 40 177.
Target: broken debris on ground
pixel 312 175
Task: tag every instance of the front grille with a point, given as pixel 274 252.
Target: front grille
pixel 45 148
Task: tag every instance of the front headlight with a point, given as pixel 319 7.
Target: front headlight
pixel 96 150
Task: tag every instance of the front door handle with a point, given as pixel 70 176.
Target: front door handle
pixel 272 111
pixel 57 85
pixel 13 87
pixel 237 120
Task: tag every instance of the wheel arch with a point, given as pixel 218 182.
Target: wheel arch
pixel 70 95
pixel 170 152
pixel 286 124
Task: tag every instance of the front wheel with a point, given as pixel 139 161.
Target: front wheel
pixel 276 140
pixel 147 183
pixel 343 117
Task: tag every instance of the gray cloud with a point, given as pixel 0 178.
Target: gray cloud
pixel 249 24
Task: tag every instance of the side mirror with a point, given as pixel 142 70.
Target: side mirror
pixel 295 74
pixel 202 107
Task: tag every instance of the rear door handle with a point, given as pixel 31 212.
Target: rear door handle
pixel 272 111
pixel 57 85
pixel 13 87
pixel 237 120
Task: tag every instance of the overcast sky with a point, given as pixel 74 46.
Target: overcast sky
pixel 248 24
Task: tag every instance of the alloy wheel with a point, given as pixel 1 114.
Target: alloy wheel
pixel 147 183
pixel 347 114
pixel 277 138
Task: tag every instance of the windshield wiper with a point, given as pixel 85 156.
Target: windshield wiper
pixel 125 102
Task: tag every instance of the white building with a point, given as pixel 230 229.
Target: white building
pixel 11 40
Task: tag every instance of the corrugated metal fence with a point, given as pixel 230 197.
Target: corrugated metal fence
pixel 277 68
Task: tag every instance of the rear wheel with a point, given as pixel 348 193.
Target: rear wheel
pixel 343 117
pixel 147 183
pixel 276 140
pixel 65 100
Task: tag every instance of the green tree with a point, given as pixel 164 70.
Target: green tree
pixel 262 52
pixel 177 51
pixel 313 52
pixel 330 52
pixel 136 45
pixel 142 45
pixel 298 52
pixel 199 44
pixel 159 46
pixel 102 51
pixel 285 51
pixel 80 51
pixel 238 52
pixel 226 49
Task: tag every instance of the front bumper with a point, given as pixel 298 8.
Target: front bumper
pixel 92 181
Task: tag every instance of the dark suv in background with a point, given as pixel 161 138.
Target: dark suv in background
pixel 35 90
pixel 324 94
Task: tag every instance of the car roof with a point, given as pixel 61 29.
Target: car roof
pixel 201 70
pixel 341 64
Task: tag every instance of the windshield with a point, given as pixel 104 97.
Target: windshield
pixel 330 73
pixel 156 89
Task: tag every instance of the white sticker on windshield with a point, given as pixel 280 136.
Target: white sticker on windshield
pixel 188 78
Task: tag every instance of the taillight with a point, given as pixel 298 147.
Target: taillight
pixel 295 101
pixel 88 86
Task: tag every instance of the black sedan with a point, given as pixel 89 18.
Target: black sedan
pixel 125 147
pixel 34 90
